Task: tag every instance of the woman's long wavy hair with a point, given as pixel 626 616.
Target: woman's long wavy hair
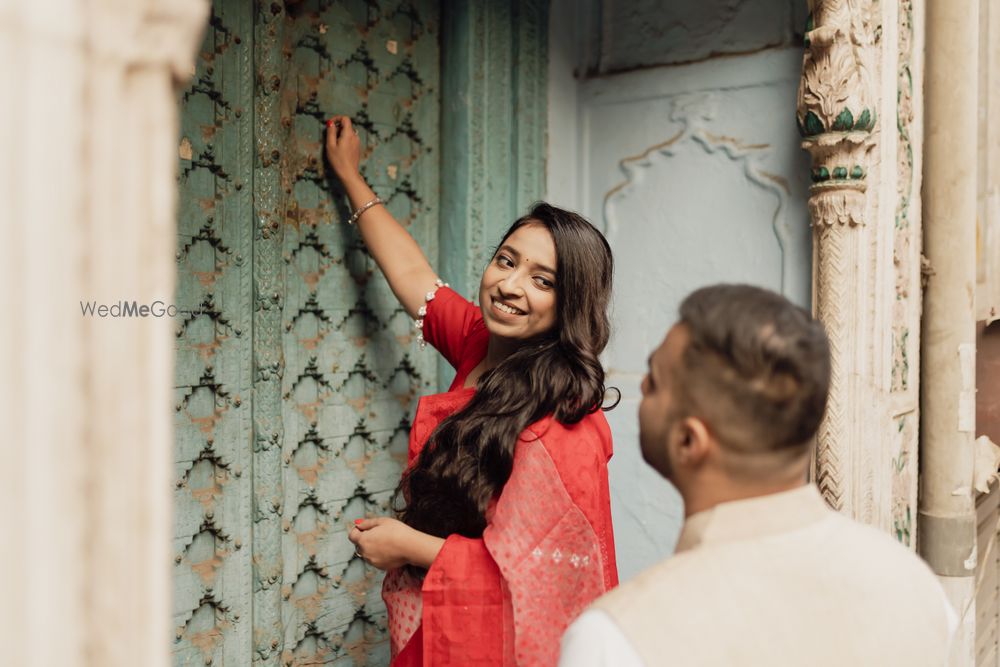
pixel 468 458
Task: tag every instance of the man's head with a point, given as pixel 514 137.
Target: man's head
pixel 735 393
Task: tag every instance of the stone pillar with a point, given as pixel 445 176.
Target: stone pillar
pixel 860 117
pixel 88 184
pixel 947 510
pixel 837 115
pixel 988 260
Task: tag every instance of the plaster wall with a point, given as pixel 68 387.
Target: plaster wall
pixel 681 146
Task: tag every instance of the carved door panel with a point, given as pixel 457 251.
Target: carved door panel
pixel 691 166
pixel 697 196
pixel 296 370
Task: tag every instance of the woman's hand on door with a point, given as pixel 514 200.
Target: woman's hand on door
pixel 343 147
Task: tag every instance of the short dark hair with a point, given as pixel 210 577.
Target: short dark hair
pixel 756 368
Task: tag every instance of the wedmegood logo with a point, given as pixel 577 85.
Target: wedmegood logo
pixel 128 309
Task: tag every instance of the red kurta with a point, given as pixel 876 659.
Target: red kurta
pixel 547 551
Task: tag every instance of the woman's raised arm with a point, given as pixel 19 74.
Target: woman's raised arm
pixel 398 256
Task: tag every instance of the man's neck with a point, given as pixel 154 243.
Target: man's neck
pixel 710 495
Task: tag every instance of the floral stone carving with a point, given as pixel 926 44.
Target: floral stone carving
pixel 836 107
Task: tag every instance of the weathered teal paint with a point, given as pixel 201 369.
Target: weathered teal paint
pixel 494 121
pixel 296 386
pixel 271 137
pixel 352 369
pixel 213 531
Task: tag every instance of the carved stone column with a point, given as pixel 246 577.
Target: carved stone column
pixel 837 119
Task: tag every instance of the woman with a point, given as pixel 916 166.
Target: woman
pixel 506 532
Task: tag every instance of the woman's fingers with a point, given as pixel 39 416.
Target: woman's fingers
pixel 340 127
pixel 355 535
pixel 342 142
pixel 343 148
pixel 365 524
pixel 334 126
pixel 331 135
pixel 345 126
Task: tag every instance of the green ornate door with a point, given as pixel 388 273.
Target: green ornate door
pixel 296 370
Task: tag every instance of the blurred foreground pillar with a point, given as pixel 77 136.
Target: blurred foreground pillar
pixel 947 527
pixel 87 178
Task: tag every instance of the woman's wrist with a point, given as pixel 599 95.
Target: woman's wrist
pixel 421 548
pixel 357 189
pixel 350 177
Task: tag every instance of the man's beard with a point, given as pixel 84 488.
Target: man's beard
pixel 672 418
pixel 662 463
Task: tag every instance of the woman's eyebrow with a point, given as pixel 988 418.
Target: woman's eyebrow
pixel 517 255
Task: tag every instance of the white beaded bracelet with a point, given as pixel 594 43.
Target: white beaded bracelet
pixel 422 311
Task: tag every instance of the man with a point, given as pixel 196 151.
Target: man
pixel 765 573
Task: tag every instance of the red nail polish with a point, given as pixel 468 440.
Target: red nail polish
pixel 329 123
pixel 357 521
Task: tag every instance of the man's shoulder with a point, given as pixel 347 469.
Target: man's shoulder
pixel 833 567
pixel 878 545
pixel 836 548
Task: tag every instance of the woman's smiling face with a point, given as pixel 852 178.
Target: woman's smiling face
pixel 518 291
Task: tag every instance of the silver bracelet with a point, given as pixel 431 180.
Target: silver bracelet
pixel 361 209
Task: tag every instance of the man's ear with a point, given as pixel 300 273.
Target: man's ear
pixel 690 441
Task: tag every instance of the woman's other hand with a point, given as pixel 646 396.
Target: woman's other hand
pixel 389 543
pixel 343 147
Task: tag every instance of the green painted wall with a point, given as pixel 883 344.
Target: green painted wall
pixel 297 372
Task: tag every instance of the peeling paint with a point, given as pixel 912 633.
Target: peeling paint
pixel 970 562
pixel 967 394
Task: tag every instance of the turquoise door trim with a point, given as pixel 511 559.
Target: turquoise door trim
pixel 272 140
pixel 493 121
pixel 494 78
